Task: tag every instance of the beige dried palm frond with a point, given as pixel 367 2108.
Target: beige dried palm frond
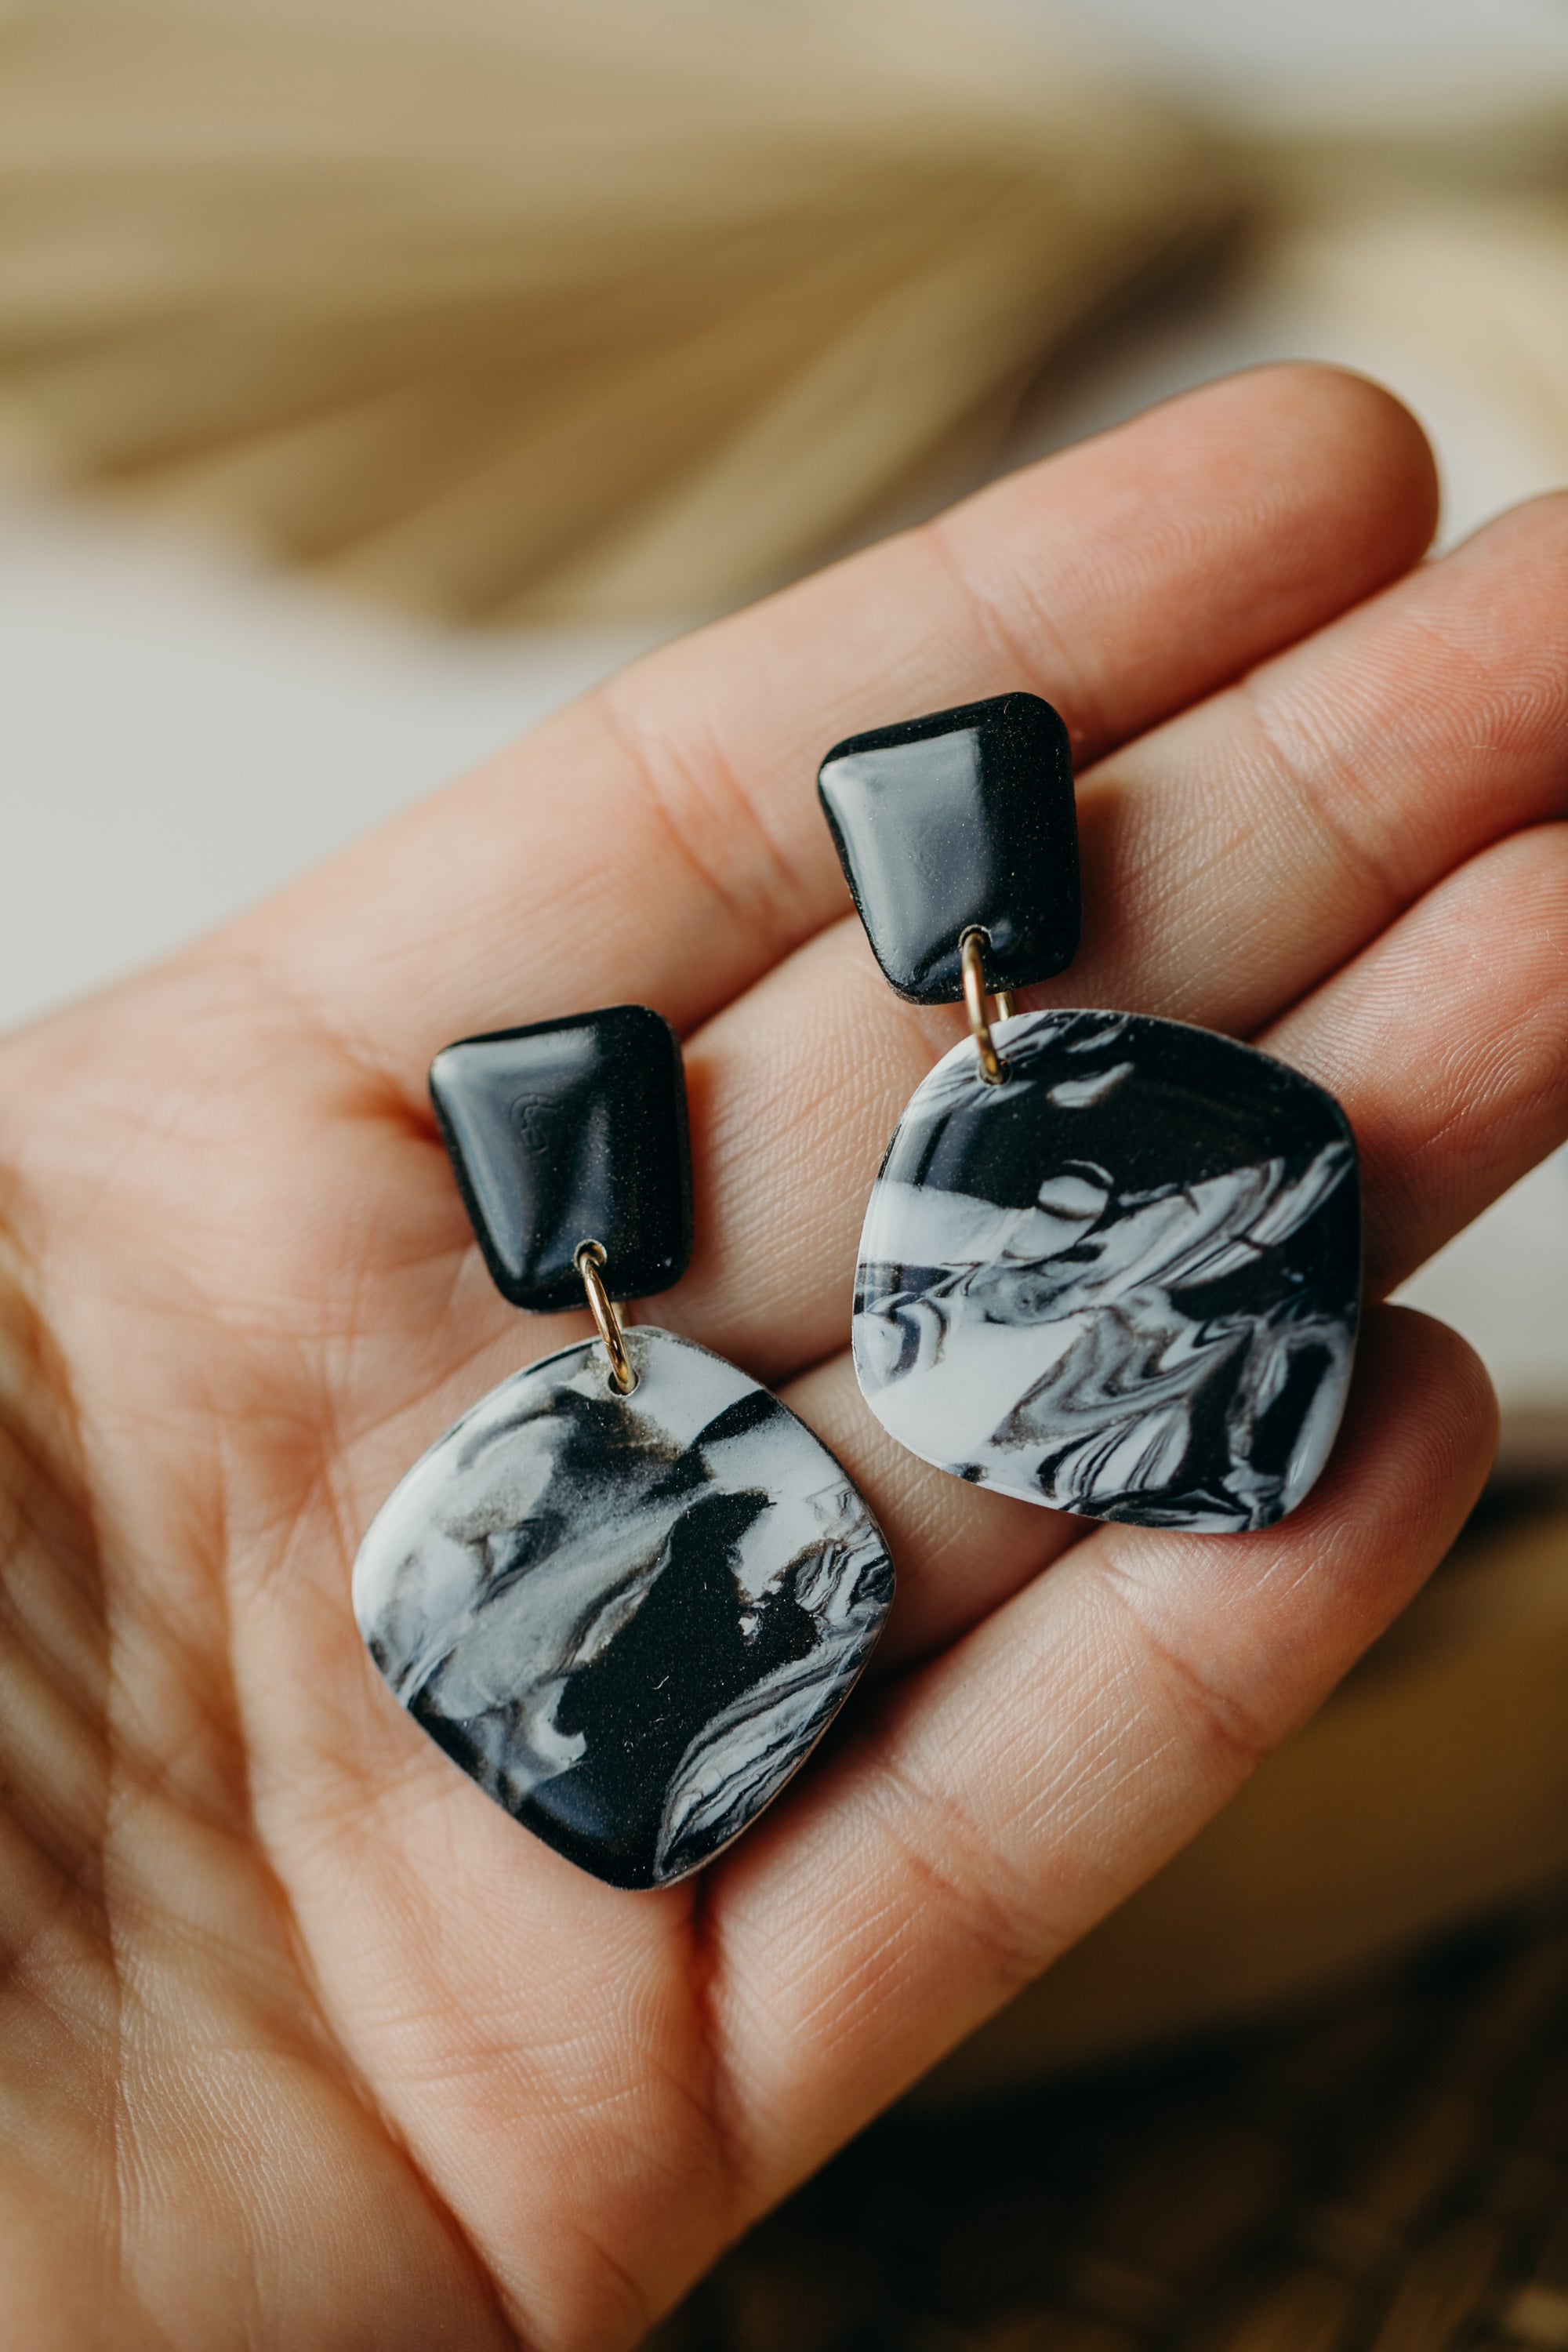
pixel 517 309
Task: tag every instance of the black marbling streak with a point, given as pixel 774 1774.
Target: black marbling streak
pixel 629 1620
pixel 1123 1283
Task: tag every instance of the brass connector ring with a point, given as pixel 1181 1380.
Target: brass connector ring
pixel 972 951
pixel 589 1258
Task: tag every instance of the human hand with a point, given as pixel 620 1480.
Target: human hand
pixel 302 2041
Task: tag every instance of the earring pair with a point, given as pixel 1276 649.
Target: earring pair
pixel 1110 1264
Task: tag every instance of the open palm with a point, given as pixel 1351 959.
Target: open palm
pixel 302 2042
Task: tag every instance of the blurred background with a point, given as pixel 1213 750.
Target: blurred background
pixel 376 373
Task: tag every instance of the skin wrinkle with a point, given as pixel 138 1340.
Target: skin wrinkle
pixel 236 955
pixel 1266 518
pixel 51 1687
pixel 1530 707
pixel 37 1390
pixel 509 2291
pixel 425 1404
pixel 885 1948
pixel 965 1875
pixel 892 1968
pixel 1529 710
pixel 1226 1723
pixel 1098 1770
pixel 733 2158
pixel 747 907
pixel 35 1512
pixel 122 2122
pixel 482 2280
pixel 1403 607
pixel 1085 720
pixel 1314 795
pixel 116 2252
pixel 334 1441
pixel 325 2054
pixel 879 1966
pixel 633 2300
pixel 121 1939
pixel 453 1244
pixel 211 1702
pixel 850 1981
pixel 71 1900
pixel 122 2130
pixel 110 1911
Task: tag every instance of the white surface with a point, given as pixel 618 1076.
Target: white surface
pixel 1505 1285
pixel 1307 63
pixel 180 731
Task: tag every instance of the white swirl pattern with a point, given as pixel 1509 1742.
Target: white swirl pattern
pixel 1124 1283
pixel 628 1618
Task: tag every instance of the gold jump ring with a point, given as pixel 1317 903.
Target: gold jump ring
pixel 589 1258
pixel 971 948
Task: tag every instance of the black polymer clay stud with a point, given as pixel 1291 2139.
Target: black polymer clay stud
pixel 570 1129
pixel 1110 1264
pixel 959 823
pixel 628 1590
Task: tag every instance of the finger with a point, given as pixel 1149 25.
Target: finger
pixel 1238 856
pixel 989 1808
pixel 1449 693
pixel 1447 1045
pixel 960 1550
pixel 661 841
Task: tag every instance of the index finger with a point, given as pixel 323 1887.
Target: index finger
pixel 661 842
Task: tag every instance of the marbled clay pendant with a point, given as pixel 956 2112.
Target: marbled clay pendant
pixel 628 1592
pixel 1111 1264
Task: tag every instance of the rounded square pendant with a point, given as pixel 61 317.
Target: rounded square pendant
pixel 1125 1282
pixel 629 1618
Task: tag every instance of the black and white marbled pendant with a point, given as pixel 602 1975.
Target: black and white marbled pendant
pixel 1125 1282
pixel 629 1618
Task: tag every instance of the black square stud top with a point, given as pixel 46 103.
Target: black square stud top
pixel 566 1133
pixel 963 821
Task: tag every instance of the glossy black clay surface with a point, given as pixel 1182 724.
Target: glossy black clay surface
pixel 569 1131
pixel 961 821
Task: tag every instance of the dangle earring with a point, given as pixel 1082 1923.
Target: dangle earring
pixel 628 1590
pixel 1110 1264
